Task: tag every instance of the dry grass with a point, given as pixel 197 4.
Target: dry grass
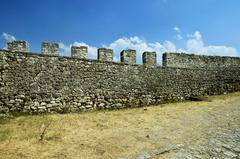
pixel 114 134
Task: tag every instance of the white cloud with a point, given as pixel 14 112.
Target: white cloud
pixel 92 50
pixel 179 34
pixel 177 29
pixel 7 37
pixel 136 43
pixel 193 44
pixel 140 45
pixel 179 37
pixel 196 45
pixel 66 50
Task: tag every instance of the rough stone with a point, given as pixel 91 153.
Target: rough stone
pixel 128 56
pixel 79 52
pixel 149 58
pixel 105 54
pixel 55 83
pixel 50 48
pixel 182 60
pixel 18 46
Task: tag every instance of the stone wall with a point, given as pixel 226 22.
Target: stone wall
pixel 49 48
pixel 37 83
pixel 128 56
pixel 183 60
pixel 149 58
pixel 105 54
pixel 18 46
pixel 79 52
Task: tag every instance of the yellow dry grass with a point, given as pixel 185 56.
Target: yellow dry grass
pixel 112 134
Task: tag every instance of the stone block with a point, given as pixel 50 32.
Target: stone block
pixel 105 54
pixel 50 48
pixel 128 56
pixel 79 52
pixel 18 46
pixel 149 58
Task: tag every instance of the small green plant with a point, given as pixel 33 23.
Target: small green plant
pixel 4 119
pixel 43 130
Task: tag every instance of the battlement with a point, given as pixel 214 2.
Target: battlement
pixel 18 46
pixel 149 59
pixel 79 51
pixel 103 54
pixel 48 82
pixel 183 60
pixel 50 48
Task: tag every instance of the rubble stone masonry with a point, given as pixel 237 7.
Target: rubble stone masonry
pixel 39 83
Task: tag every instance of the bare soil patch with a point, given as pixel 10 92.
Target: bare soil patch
pixel 200 129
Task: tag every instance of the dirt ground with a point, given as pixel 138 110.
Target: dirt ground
pixel 207 129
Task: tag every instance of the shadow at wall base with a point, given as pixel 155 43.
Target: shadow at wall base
pixel 30 107
pixel 32 83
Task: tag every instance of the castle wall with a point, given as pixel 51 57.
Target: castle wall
pixel 49 48
pixel 79 52
pixel 34 83
pixel 18 46
pixel 128 56
pixel 183 60
pixel 105 54
pixel 149 58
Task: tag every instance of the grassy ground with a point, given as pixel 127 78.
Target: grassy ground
pixel 117 134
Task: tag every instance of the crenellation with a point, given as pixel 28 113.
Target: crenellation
pixel 183 60
pixel 50 48
pixel 128 56
pixel 79 52
pixel 149 58
pixel 105 54
pixel 18 46
pixel 35 83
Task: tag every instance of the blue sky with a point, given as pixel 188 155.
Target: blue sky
pixel 199 26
